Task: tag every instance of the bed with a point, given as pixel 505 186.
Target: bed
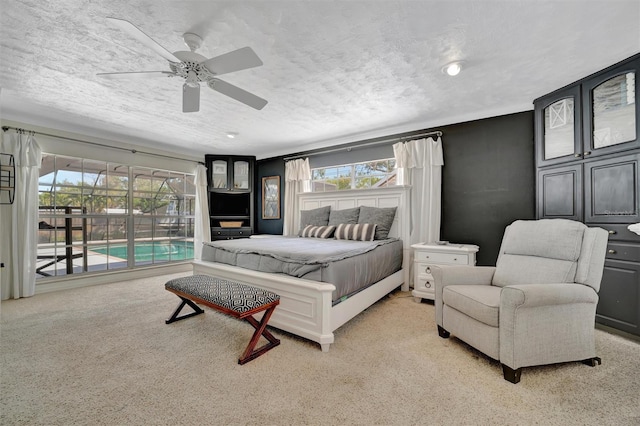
pixel 310 308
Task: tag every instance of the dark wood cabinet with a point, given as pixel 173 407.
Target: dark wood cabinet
pixel 231 199
pixel 593 117
pixel 619 302
pixel 588 169
pixel 558 127
pixel 560 192
pixel 612 190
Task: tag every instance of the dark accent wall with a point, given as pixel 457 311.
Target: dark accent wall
pixel 269 167
pixel 488 180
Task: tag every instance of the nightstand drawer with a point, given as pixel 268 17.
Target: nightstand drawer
pixel 423 269
pixel 444 258
pixel 424 284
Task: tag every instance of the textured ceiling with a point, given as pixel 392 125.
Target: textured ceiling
pixel 333 71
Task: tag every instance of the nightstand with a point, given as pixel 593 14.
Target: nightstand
pixel 425 255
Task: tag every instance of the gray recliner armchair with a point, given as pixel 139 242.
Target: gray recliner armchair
pixel 537 305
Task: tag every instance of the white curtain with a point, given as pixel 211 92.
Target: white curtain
pixel 19 221
pixel 202 231
pixel 297 176
pixel 419 163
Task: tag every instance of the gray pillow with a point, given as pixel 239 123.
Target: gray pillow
pixel 380 216
pixel 315 217
pixel 336 217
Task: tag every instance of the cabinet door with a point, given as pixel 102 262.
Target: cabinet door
pixel 558 127
pixel 609 110
pixel 560 192
pixel 241 175
pixel 612 189
pixel 219 172
pixel 619 296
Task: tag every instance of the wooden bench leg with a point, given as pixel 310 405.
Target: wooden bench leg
pixel 261 330
pixel 185 301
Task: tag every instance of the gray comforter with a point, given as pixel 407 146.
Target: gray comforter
pixel 290 255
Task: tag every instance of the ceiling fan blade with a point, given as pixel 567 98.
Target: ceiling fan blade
pixel 135 74
pixel 138 34
pixel 190 98
pixel 237 60
pixel 237 93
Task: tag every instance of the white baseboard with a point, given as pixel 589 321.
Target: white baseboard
pixel 86 280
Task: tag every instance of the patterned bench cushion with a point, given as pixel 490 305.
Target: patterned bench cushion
pixel 228 294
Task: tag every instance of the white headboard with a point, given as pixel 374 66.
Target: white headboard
pixel 393 196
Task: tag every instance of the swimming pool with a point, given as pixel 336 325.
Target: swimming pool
pixel 159 251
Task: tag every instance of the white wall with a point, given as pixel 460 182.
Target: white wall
pixel 74 145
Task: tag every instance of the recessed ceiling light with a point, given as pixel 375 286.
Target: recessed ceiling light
pixel 452 68
pixel 232 135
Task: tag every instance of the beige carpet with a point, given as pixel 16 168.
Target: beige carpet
pixel 103 355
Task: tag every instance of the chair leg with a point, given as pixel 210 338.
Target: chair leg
pixel 592 361
pixel 510 374
pixel 443 333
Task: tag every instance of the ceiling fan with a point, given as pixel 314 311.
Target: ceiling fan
pixel 194 68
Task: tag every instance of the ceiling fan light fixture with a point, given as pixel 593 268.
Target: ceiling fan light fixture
pixel 452 68
pixel 192 79
pixel 193 41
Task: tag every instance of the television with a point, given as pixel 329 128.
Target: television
pixel 230 204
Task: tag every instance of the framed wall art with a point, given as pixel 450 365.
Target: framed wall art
pixel 271 197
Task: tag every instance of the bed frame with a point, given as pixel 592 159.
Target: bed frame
pixel 305 306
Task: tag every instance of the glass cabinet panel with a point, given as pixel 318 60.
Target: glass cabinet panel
pixel 219 174
pixel 241 174
pixel 559 137
pixel 614 111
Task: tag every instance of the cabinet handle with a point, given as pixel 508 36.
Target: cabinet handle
pixel 587 153
pixel 612 251
pixel 577 155
pixel 428 270
pixel 455 259
pixel 612 232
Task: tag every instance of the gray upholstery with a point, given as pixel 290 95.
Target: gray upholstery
pixel 382 217
pixel 315 217
pixel 336 217
pixel 537 305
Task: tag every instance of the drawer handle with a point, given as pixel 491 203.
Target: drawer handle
pixel 427 284
pixel 612 251
pixel 612 232
pixel 455 259
pixel 428 270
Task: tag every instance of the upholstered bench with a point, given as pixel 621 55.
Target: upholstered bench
pixel 235 299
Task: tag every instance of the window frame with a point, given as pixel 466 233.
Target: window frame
pixel 321 185
pixel 80 242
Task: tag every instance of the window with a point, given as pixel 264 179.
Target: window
pixel 96 215
pixel 370 174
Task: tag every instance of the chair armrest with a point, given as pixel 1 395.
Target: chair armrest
pixel 531 295
pixel 546 323
pixel 444 275
pixel 462 275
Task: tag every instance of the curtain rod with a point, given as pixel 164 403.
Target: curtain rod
pixel 133 151
pixel 350 147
